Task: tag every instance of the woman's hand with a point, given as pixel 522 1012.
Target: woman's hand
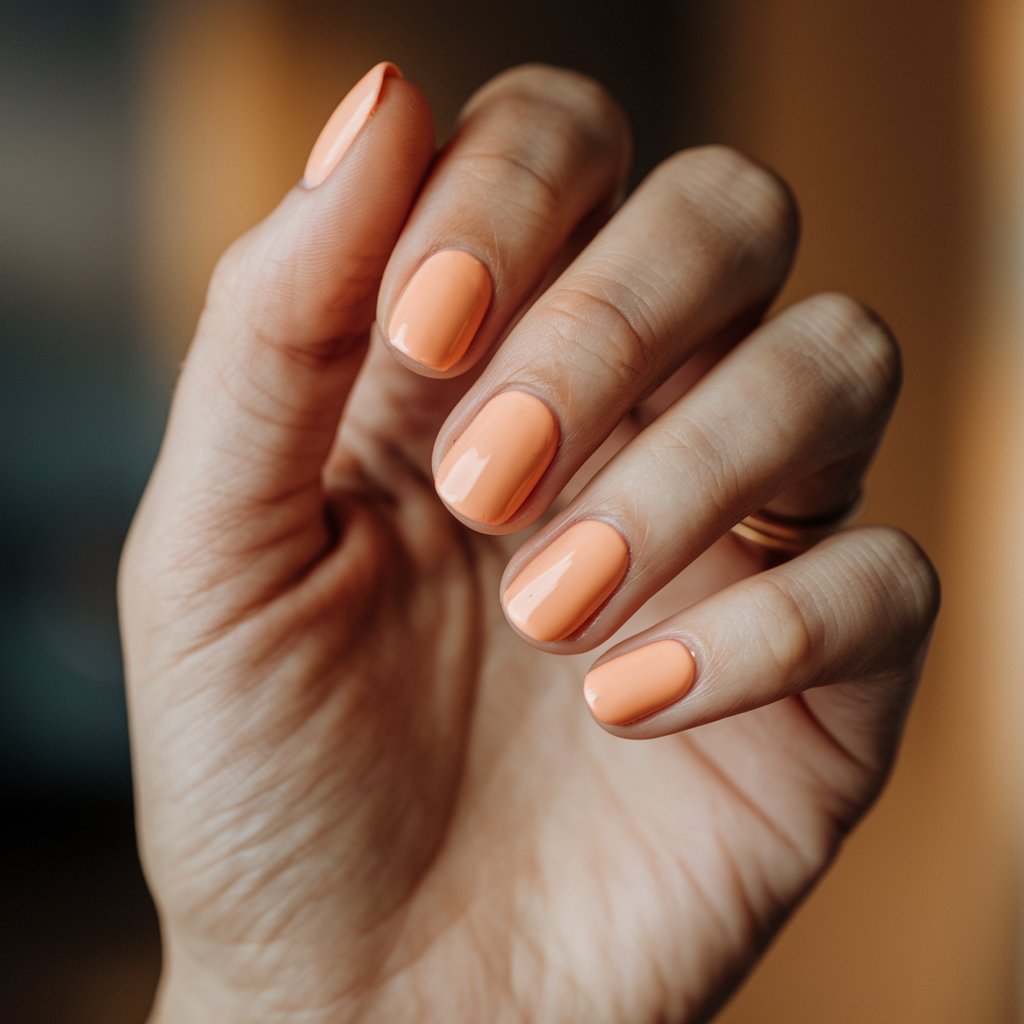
pixel 364 795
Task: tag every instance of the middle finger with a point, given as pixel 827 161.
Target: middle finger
pixel 703 244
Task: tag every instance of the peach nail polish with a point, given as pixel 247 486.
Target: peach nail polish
pixel 568 581
pixel 344 124
pixel 639 683
pixel 441 308
pixel 498 459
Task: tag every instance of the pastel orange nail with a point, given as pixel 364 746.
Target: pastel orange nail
pixel 639 683
pixel 441 308
pixel 345 123
pixel 498 459
pixel 568 581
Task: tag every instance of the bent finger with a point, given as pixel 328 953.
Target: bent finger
pixel 700 247
pixel 801 399
pixel 536 151
pixel 289 307
pixel 844 625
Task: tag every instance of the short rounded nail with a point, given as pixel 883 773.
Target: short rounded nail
pixel 640 683
pixel 342 127
pixel 497 460
pixel 563 586
pixel 441 308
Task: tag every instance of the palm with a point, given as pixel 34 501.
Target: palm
pixel 419 776
pixel 550 837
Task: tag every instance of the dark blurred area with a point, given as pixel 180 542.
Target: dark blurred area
pixel 76 392
pixel 81 413
pixel 139 137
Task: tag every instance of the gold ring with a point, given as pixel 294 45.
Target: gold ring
pixel 794 535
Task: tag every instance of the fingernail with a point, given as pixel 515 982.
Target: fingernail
pixel 441 308
pixel 344 124
pixel 639 683
pixel 568 581
pixel 498 459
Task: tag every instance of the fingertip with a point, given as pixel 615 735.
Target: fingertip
pixel 514 436
pixel 349 118
pixel 320 255
pixel 292 301
pixel 382 111
pixel 440 310
pixel 638 684
pixel 416 142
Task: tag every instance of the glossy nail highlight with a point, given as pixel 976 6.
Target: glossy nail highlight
pixel 345 123
pixel 441 308
pixel 498 459
pixel 636 685
pixel 568 581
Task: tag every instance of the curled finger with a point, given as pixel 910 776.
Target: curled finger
pixel 844 625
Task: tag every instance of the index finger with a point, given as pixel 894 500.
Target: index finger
pixel 536 151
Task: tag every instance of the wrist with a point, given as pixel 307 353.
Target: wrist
pixel 192 992
pixel 188 996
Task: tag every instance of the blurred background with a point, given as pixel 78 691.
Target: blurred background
pixel 139 137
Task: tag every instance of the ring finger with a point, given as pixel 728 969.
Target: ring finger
pixel 803 399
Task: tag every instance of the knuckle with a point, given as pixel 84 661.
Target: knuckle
pixel 574 127
pixel 791 635
pixel 712 462
pixel 861 350
pixel 230 272
pixel 600 122
pixel 290 305
pixel 578 104
pixel 739 191
pixel 912 582
pixel 243 293
pixel 594 317
pixel 517 176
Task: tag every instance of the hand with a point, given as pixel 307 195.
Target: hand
pixel 364 795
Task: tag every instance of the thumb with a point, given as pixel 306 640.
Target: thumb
pixel 286 319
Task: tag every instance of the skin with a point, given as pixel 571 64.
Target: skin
pixel 361 795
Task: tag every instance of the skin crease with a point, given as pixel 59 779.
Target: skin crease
pixel 361 795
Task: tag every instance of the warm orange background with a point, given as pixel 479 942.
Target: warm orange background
pixel 901 128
